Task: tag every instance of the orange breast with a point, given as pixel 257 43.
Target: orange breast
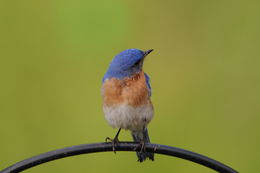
pixel 132 91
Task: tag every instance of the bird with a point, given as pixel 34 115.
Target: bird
pixel 126 93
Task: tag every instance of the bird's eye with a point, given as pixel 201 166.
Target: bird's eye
pixel 136 64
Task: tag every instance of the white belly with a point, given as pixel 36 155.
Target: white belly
pixel 128 117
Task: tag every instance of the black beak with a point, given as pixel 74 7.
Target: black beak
pixel 147 52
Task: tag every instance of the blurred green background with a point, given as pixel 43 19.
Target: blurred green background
pixel 204 72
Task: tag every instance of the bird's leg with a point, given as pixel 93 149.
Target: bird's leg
pixel 142 143
pixel 142 146
pixel 114 141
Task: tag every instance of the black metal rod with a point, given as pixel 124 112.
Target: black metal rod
pixel 122 146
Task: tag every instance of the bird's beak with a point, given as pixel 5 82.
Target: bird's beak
pixel 147 52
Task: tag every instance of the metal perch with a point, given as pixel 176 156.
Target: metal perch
pixel 122 146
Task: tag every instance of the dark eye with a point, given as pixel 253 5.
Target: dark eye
pixel 136 64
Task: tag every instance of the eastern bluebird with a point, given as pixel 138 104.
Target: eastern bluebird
pixel 126 95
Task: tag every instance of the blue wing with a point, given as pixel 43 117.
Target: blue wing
pixel 147 80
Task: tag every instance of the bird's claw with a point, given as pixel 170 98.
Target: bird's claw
pixel 142 146
pixel 114 142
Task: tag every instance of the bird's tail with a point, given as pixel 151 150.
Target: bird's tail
pixel 142 136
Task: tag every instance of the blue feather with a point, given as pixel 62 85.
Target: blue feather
pixel 147 80
pixel 125 64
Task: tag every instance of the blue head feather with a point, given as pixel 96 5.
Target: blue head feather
pixel 125 64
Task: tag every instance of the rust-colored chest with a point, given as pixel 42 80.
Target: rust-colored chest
pixel 132 91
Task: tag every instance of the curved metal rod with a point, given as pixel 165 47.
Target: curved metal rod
pixel 122 146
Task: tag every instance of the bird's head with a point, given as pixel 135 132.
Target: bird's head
pixel 126 63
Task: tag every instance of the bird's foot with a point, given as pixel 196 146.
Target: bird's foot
pixel 114 142
pixel 142 146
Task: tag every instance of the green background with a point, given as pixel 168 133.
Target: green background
pixel 204 73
